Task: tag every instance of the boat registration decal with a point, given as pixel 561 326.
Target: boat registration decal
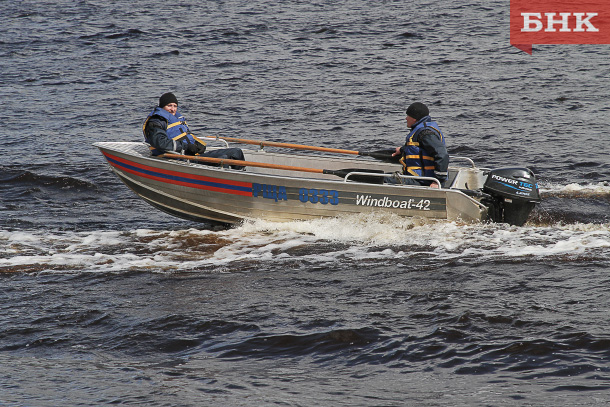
pixel 278 193
pixel 322 196
pixel 181 178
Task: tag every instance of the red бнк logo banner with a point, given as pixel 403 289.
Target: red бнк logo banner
pixel 559 22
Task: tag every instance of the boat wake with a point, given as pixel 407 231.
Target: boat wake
pixel 573 204
pixel 254 245
pixel 597 190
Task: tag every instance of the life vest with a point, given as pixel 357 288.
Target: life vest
pixel 177 128
pixel 415 159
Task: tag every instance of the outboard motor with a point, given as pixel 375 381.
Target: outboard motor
pixel 515 193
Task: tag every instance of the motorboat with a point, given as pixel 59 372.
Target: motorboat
pixel 286 186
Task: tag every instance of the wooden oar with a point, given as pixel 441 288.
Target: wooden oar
pixel 385 155
pixel 339 173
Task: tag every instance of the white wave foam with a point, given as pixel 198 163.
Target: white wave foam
pixel 356 238
pixel 595 189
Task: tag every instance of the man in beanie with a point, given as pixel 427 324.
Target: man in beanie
pixel 424 153
pixel 166 130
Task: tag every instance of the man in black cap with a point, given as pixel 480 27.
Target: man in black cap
pixel 166 130
pixel 424 153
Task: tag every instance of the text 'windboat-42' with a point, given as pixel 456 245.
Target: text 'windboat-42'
pixel 283 187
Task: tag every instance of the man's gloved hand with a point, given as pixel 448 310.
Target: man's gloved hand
pixel 192 149
pixel 200 148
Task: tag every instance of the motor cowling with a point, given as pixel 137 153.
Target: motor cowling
pixel 515 193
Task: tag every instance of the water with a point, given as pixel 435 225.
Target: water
pixel 106 300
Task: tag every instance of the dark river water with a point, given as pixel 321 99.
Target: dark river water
pixel 108 301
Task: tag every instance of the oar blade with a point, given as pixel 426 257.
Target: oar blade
pixel 384 155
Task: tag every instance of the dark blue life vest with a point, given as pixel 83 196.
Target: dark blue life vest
pixel 415 159
pixel 177 128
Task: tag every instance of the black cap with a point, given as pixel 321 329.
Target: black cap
pixel 167 98
pixel 417 110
